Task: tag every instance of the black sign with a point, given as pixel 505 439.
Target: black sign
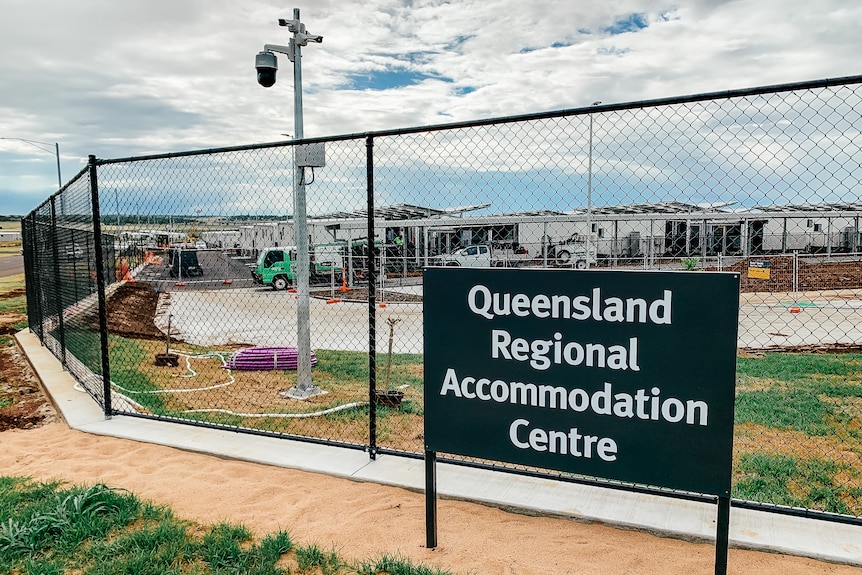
pixel 619 375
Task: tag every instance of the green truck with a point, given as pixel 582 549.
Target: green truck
pixel 276 267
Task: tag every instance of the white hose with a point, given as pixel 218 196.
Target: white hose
pixel 284 415
pixel 189 357
pixel 193 374
pixel 129 400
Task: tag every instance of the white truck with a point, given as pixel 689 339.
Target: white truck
pixel 484 255
pixel 572 252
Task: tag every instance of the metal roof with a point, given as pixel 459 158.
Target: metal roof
pixel 658 208
pixel 402 212
pixel 406 212
pixel 822 207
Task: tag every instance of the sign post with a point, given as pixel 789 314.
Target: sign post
pixel 620 375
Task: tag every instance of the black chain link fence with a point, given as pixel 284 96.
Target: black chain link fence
pixel 165 283
pixel 61 262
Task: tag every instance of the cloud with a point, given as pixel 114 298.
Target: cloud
pixel 118 79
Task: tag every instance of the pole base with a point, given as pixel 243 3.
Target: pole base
pixel 302 392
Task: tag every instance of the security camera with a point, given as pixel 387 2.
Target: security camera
pixel 292 25
pixel 267 65
pixel 314 38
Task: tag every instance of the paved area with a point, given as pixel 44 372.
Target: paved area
pixel 751 529
pixel 223 306
pixel 261 316
pixel 804 318
pixel 11 265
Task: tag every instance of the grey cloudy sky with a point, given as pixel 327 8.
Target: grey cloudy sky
pixel 118 78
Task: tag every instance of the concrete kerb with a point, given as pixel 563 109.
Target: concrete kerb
pixel 684 519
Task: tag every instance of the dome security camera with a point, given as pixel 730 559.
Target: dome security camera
pixel 267 65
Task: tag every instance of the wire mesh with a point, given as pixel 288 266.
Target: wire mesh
pixel 200 258
pixel 205 324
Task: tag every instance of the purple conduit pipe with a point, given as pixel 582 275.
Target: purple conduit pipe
pixel 265 358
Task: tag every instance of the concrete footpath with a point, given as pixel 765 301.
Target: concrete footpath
pixel 666 516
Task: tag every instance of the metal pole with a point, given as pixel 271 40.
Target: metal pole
pixel 304 387
pixel 545 244
pixel 59 177
pixel 372 304
pixel 590 193
pixel 37 144
pixel 100 284
pixel 652 241
pixel 58 292
pixel 430 499
pixel 28 237
pixel 722 535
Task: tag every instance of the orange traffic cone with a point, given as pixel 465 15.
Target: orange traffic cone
pixel 343 281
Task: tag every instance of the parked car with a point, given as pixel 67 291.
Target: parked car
pixel 184 263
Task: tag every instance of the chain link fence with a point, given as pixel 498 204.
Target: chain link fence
pixel 62 255
pixel 166 284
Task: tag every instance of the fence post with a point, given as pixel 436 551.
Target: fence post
pixel 100 286
pixel 795 274
pixel 58 293
pixel 31 273
pixel 372 303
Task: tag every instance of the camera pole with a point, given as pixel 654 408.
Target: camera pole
pixel 266 65
pixel 304 385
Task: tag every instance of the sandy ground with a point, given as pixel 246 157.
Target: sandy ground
pixel 361 521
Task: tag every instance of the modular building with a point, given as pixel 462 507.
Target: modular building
pixel 222 239
pixel 623 232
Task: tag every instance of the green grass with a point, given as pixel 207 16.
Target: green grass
pixel 14 305
pixel 48 529
pixel 312 557
pixel 8 283
pixel 795 409
pixel 43 520
pixel 352 366
pixel 395 565
pixel 807 408
pixel 799 392
pixel 18 304
pixel 344 373
pixel 84 344
pixel 786 480
pixel 799 368
pixel 125 355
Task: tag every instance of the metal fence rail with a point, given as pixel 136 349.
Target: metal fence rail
pixel 164 282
